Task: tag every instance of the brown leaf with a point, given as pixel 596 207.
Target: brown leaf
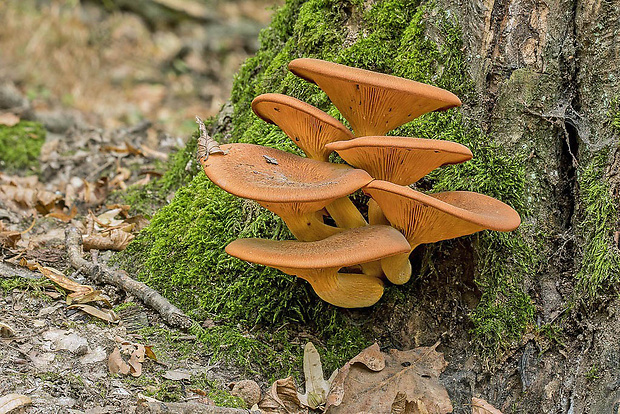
pixel 61 215
pixel 413 373
pixel 9 239
pixel 282 399
pixel 151 153
pixel 116 240
pixel 6 331
pixel 116 365
pixel 9 119
pixel 371 357
pixel 11 402
pixel 136 360
pixel 148 349
pixel 87 297
pixel 402 406
pixel 61 280
pixel 480 406
pixel 107 315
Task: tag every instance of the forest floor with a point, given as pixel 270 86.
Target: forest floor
pixel 117 93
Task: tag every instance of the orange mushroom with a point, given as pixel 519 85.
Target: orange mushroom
pixel 400 160
pixel 293 187
pixel 310 129
pixel 318 262
pixel 430 218
pixel 373 103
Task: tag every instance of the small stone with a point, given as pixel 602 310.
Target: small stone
pixel 248 391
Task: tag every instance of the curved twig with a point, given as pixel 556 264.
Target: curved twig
pixel 103 274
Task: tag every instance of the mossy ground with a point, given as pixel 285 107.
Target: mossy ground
pixel 20 146
pixel 181 252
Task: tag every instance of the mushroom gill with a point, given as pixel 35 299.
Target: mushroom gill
pixel 431 218
pixel 373 103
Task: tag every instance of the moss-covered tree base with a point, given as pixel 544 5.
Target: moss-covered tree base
pixel 481 295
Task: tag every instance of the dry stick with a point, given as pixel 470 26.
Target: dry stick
pixel 103 274
pixel 9 270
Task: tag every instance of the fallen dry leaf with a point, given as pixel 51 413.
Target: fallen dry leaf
pixel 177 375
pixel 282 399
pixel 136 360
pixel 116 239
pixel 402 406
pixel 316 386
pixel 61 215
pixel 11 402
pixel 87 297
pixel 106 315
pixel 6 331
pixel 9 119
pixel 61 280
pixel 413 373
pixel 480 406
pixel 371 357
pixel 116 365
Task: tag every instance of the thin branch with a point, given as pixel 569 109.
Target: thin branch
pixel 119 278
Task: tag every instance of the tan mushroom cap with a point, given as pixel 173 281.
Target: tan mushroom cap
pixel 347 248
pixel 430 218
pixel 293 187
pixel 373 103
pixel 318 262
pixel 400 160
pixel 308 127
pixel 273 176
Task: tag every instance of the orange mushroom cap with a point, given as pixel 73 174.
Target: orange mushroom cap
pixel 430 218
pixel 347 248
pixel 318 262
pixel 273 176
pixel 308 127
pixel 373 103
pixel 400 160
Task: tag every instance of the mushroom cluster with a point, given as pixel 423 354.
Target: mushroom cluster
pixel 347 264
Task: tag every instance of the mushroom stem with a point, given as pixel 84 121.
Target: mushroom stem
pixel 375 214
pixel 305 226
pixel 397 268
pixel 346 290
pixel 345 214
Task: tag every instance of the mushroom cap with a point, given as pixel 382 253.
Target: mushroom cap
pixel 430 218
pixel 308 127
pixel 400 160
pixel 269 175
pixel 373 103
pixel 347 248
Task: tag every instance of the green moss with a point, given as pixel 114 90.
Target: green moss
pixel 600 262
pixel 20 146
pixel 614 115
pixel 181 253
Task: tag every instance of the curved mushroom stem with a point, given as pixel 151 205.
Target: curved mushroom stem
pixel 375 214
pixel 397 268
pixel 305 226
pixel 345 214
pixel 346 290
